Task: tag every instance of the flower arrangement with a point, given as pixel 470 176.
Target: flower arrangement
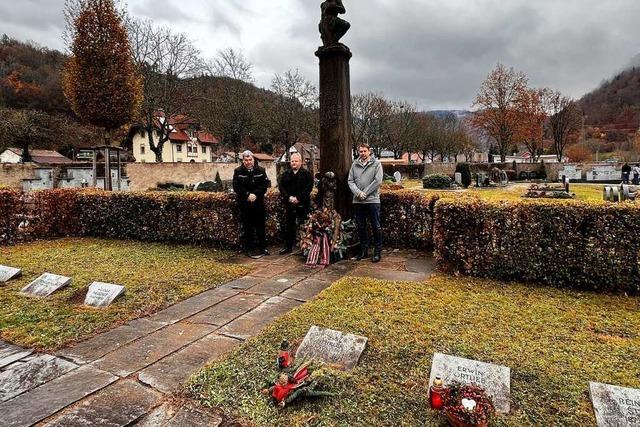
pixel 321 236
pixel 467 405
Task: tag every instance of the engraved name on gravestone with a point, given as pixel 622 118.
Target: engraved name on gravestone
pixel 102 294
pixel 332 347
pixel 615 406
pixel 46 284
pixel 8 273
pixel 494 379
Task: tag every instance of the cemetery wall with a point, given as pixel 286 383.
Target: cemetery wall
pixel 145 176
pixel 578 245
pixel 12 175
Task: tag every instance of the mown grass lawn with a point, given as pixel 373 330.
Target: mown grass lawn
pixel 583 192
pixel 555 342
pixel 155 276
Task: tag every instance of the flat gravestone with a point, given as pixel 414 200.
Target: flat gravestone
pixel 615 406
pixel 8 273
pixel 46 284
pixel 494 379
pixel 101 295
pixel 335 348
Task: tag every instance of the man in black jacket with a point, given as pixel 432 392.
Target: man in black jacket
pixel 295 188
pixel 250 183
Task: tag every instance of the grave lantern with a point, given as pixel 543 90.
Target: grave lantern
pixel 436 394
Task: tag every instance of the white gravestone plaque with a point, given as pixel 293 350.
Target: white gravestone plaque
pixel 101 295
pixel 615 406
pixel 397 176
pixel 494 379
pixel 46 284
pixel 8 273
pixel 335 348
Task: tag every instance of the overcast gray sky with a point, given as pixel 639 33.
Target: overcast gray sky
pixel 433 53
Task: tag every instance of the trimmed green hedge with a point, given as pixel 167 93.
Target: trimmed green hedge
pixel 590 246
pixel 407 218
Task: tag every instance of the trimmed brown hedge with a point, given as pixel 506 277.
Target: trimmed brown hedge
pixel 10 216
pixel 407 218
pixel 579 245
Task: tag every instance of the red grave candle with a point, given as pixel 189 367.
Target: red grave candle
pixel 436 394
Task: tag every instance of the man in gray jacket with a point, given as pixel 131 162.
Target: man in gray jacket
pixel 365 178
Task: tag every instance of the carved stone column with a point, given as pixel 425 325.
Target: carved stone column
pixel 335 120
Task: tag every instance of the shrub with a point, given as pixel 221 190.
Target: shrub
pixel 543 171
pixel 436 181
pixel 10 216
pixel 577 245
pixel 407 218
pixel 465 171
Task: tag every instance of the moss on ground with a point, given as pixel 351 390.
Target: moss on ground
pixel 155 276
pixel 555 342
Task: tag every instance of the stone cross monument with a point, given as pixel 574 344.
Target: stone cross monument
pixel 335 102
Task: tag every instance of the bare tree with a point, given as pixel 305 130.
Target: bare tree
pixel 566 118
pixel 232 64
pixel 26 128
pixel 368 112
pixel 232 112
pixel 166 61
pixel 294 106
pixel 398 128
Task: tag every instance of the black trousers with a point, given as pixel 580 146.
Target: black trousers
pixel 252 216
pixel 369 212
pixel 294 217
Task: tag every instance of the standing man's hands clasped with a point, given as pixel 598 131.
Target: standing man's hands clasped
pixel 252 198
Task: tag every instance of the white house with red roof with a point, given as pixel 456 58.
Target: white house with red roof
pixel 188 142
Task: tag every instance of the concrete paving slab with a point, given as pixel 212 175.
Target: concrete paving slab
pixel 193 305
pixel 96 347
pixel 251 323
pixel 228 310
pixel 306 290
pixel 170 374
pixel 118 405
pixel 32 374
pixel 44 401
pixel 142 353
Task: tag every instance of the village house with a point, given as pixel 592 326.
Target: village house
pixel 188 142
pixel 40 157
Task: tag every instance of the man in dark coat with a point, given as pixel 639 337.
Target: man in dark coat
pixel 295 188
pixel 250 183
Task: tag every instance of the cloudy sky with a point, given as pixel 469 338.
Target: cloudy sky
pixel 432 53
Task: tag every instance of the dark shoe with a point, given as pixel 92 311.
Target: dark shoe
pixel 284 251
pixel 376 258
pixel 255 254
pixel 264 252
pixel 362 255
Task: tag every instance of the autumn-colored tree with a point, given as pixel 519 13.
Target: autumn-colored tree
pixel 532 114
pixel 566 119
pixel 99 80
pixel 497 106
pixel 578 153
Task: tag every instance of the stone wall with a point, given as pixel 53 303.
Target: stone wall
pixel 145 176
pixel 11 174
pixel 552 168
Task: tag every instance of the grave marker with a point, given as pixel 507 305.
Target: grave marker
pixel 332 347
pixel 615 406
pixel 8 273
pixel 45 285
pixel 494 379
pixel 101 295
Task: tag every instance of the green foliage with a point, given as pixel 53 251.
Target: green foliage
pixel 155 276
pixel 437 181
pixel 576 245
pixel 465 170
pixel 575 337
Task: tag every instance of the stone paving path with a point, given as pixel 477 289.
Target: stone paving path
pixel 132 374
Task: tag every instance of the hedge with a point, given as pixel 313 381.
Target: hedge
pixel 10 216
pixel 407 218
pixel 591 246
